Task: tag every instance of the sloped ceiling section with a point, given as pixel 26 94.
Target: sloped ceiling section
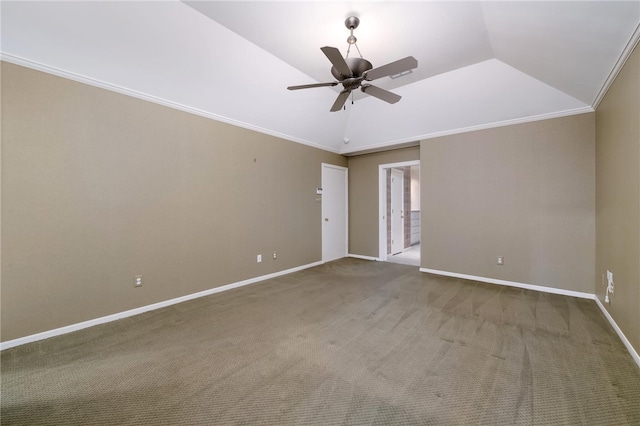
pixel 481 64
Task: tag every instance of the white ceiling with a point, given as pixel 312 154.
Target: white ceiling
pixel 480 64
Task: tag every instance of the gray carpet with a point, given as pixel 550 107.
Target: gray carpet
pixel 348 342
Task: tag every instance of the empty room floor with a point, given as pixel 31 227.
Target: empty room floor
pixel 348 342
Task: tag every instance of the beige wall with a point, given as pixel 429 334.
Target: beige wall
pixel 363 197
pixel 525 192
pixel 618 197
pixel 98 187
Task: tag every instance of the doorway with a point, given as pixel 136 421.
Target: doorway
pixel 334 212
pixel 399 212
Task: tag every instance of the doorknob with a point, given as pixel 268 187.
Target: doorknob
pixel 326 219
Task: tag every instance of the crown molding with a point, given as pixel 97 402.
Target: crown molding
pixel 411 141
pixel 7 57
pixel 393 144
pixel 624 56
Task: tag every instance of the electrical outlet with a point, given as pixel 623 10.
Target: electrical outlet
pixel 500 260
pixel 275 255
pixel 259 258
pixel 137 281
pixel 609 287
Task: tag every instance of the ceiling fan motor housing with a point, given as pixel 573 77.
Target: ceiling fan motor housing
pixel 357 66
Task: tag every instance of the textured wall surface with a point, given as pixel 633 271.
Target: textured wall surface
pixel 98 187
pixel 618 197
pixel 525 192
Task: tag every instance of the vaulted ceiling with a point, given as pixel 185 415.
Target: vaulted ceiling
pixel 480 64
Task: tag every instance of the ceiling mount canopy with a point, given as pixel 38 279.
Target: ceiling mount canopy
pixel 352 72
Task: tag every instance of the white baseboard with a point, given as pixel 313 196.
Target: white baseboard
pixel 627 343
pixel 79 326
pixel 358 256
pixel 512 284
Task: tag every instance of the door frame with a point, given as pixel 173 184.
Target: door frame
pixel 382 204
pixel 397 173
pixel 346 208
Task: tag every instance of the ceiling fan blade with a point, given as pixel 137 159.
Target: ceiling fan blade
pixel 379 93
pixel 334 55
pixel 392 68
pixel 340 100
pixel 309 86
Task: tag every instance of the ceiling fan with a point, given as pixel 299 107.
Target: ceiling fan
pixel 353 73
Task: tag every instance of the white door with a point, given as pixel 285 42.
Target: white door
pixel 397 213
pixel 334 212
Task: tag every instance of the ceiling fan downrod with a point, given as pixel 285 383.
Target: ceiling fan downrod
pixel 352 23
